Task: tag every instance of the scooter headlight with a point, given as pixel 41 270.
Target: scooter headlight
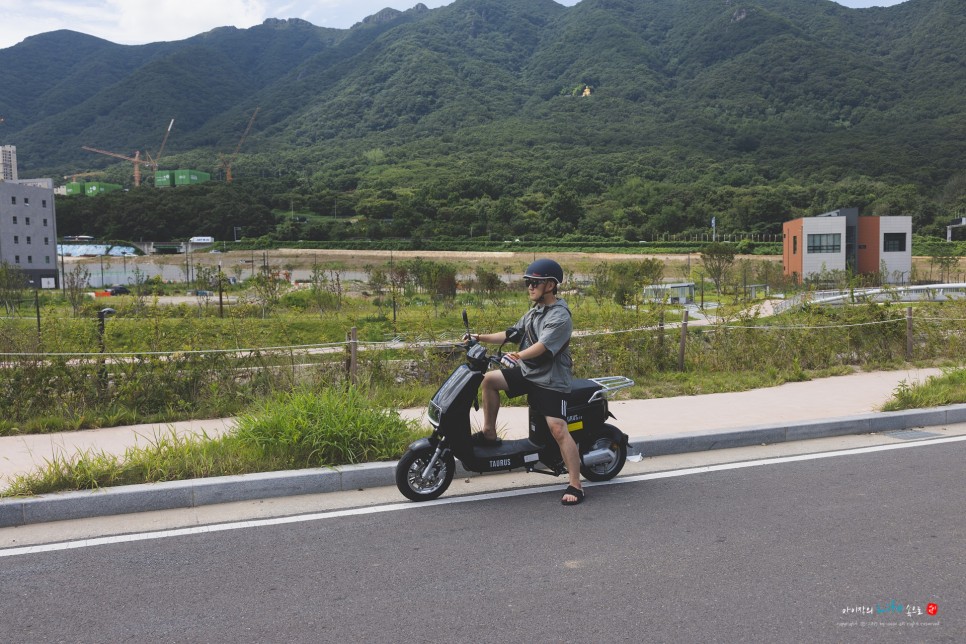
pixel 433 414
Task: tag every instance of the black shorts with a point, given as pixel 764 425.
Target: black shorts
pixel 546 402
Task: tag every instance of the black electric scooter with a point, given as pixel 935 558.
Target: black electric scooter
pixel 426 469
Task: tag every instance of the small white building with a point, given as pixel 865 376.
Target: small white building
pixel 673 292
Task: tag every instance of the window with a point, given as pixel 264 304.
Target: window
pixel 894 242
pixel 13 201
pixel 47 259
pixel 45 223
pixel 26 221
pixel 825 243
pixel 16 259
pixel 15 219
pixel 26 201
pixel 43 204
pixel 28 240
pixel 16 239
pixel 795 245
pixel 46 241
pixel 30 259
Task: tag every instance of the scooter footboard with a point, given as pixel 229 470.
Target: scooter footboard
pixel 508 455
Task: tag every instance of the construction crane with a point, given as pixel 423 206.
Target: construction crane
pixel 155 161
pixel 136 160
pixel 77 175
pixel 227 162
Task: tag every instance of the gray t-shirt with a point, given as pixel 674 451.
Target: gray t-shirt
pixel 552 325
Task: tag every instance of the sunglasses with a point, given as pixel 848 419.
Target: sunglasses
pixel 532 283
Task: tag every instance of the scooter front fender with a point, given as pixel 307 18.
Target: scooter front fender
pixel 422 443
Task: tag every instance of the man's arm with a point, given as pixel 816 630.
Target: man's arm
pixel 530 353
pixel 490 338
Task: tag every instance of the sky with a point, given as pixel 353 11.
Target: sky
pixel 136 22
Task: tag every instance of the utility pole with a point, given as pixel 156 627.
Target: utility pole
pixel 221 305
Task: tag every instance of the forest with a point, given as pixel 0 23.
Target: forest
pixel 509 119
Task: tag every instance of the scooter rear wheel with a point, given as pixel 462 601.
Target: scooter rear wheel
pixel 603 439
pixel 409 474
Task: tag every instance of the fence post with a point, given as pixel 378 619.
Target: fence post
pixel 660 338
pixel 908 333
pixel 684 340
pixel 352 364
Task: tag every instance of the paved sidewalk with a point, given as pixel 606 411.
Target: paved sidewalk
pixel 794 411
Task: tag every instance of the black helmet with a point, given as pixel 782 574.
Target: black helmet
pixel 545 269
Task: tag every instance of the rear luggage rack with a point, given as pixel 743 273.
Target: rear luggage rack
pixel 609 384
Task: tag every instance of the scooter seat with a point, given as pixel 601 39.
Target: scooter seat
pixel 580 391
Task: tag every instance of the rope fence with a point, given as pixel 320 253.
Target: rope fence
pixel 352 345
pixel 221 381
pixel 400 341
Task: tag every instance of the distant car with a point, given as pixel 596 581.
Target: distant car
pixel 119 290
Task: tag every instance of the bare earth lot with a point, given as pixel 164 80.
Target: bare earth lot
pixel 300 262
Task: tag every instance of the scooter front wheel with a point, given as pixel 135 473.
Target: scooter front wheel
pixel 415 482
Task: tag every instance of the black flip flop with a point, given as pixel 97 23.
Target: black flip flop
pixel 480 439
pixel 573 491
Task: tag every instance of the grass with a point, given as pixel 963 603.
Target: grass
pixel 307 428
pixel 299 429
pixel 949 388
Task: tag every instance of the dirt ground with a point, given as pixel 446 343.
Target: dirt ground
pixel 356 260
pixel 300 262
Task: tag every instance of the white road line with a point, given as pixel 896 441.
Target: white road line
pixel 395 507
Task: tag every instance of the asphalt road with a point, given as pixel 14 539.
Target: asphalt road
pixel 791 551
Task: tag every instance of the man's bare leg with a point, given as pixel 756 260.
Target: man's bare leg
pixel 569 452
pixel 493 384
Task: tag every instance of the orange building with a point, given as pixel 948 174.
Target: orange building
pixel 841 240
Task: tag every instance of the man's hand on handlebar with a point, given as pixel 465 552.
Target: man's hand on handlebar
pixel 510 359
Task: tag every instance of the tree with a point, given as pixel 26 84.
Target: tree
pixel 943 257
pixel 487 282
pixel 12 283
pixel 268 287
pixel 718 258
pixel 205 283
pixel 75 283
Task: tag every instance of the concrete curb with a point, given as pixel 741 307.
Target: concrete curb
pixel 226 489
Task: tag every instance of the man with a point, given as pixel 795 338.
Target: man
pixel 542 368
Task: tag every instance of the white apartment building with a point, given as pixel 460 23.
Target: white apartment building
pixel 28 231
pixel 8 163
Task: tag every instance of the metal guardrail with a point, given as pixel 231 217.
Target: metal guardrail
pixel 918 293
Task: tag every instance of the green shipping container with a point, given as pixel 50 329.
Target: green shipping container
pixel 190 177
pixel 97 188
pixel 163 178
pixel 75 188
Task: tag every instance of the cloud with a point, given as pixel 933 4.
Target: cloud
pixel 127 21
pixel 139 22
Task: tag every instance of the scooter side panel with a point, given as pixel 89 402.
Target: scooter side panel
pixel 508 455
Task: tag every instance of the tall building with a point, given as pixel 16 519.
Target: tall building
pixel 8 163
pixel 28 231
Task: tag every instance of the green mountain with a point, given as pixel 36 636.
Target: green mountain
pixel 754 110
